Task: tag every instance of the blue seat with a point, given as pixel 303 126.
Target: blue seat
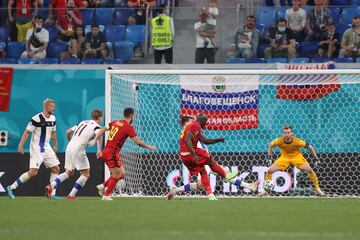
pixel 113 61
pixel 335 14
pixel 308 48
pixel 280 12
pixel 266 15
pixel 53 32
pixel 343 60
pixel 121 15
pixel 298 60
pixel 339 2
pixel 71 60
pixel 26 61
pixel 114 33
pixel 123 50
pixel 234 60
pixel 88 15
pixel 357 60
pixel 277 60
pixel 159 2
pixel 48 61
pixel 15 49
pixel 44 12
pixel 104 16
pixel 2 45
pixel 262 29
pixel 92 61
pixel 7 61
pixel 135 34
pixel 261 49
pixel 355 2
pixel 348 13
pixel 256 60
pixel 341 28
pixel 319 60
pixel 55 49
pixel 4 33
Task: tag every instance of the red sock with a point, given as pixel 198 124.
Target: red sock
pixel 106 182
pixel 205 181
pixel 215 167
pixel 110 186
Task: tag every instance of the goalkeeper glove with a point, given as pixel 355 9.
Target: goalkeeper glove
pixel 269 160
pixel 317 162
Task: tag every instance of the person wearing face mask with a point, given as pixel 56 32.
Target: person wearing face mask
pixel 350 43
pixel 296 17
pixel 245 41
pixel 66 24
pixel 37 39
pixel 282 41
pixel 163 35
pixel 329 42
pixel 317 20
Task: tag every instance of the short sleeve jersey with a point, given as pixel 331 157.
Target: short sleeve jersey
pixel 193 128
pixel 120 130
pixel 289 150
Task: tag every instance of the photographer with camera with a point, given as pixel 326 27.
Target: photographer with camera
pixel 282 41
pixel 317 20
pixel 350 44
pixel 37 39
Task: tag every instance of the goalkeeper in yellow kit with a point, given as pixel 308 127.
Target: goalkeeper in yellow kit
pixel 290 155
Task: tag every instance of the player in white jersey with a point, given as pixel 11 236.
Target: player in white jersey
pixel 75 155
pixel 43 129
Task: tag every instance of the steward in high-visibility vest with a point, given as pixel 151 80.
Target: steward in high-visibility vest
pixel 161 31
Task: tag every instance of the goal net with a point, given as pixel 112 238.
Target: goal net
pixel 248 108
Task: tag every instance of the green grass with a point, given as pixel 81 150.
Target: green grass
pixel 150 218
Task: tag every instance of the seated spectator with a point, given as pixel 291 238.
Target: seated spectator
pixel 24 13
pixel 37 40
pixel 76 45
pixel 140 9
pixel 246 40
pixel 317 21
pixel 203 51
pixel 350 43
pixel 95 43
pixel 329 42
pixel 67 23
pixel 60 9
pixel 282 41
pixel 296 18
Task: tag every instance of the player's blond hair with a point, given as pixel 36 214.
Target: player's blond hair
pixel 95 114
pixel 48 100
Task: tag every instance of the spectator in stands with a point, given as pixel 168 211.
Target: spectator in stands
pixel 60 9
pixel 24 14
pixel 140 9
pixel 282 41
pixel 210 27
pixel 350 43
pixel 37 40
pixel 329 42
pixel 67 23
pixel 317 21
pixel 246 40
pixel 95 43
pixel 203 51
pixel 296 18
pixel 163 33
pixel 76 45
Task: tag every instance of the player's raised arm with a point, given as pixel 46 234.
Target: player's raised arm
pixel 98 135
pixel 23 139
pixel 139 142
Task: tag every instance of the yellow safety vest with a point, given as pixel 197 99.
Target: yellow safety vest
pixel 161 32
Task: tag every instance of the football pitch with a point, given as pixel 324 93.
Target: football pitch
pixel 181 218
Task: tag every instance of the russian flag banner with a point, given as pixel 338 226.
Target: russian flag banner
pixel 305 89
pixel 230 102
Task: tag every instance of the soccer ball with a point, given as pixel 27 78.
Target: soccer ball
pixel 268 185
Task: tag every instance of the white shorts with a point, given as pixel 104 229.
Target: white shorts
pixel 76 158
pixel 48 157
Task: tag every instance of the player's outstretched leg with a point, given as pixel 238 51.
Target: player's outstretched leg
pixel 312 175
pixel 184 188
pixel 215 167
pixel 49 189
pixel 206 183
pixel 241 183
pixel 54 173
pixel 117 173
pixel 21 180
pixel 80 183
pixel 101 187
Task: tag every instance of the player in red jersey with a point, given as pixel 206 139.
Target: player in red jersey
pixel 120 130
pixel 195 158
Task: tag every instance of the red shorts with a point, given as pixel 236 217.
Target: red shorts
pixel 195 167
pixel 112 158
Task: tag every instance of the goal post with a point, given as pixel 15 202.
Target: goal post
pixel 248 108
